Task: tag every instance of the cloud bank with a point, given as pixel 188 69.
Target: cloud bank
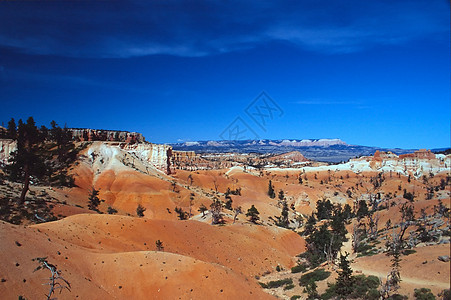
pixel 121 29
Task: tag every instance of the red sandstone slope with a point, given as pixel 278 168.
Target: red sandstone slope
pixel 248 249
pixel 110 262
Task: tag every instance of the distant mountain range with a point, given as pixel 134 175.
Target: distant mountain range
pixel 329 150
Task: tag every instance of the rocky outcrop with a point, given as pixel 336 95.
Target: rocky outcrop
pixel 157 154
pixel 420 154
pixel 84 134
pixel 290 157
pixel 6 148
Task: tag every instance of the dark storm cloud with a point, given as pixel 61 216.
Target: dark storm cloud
pixel 198 28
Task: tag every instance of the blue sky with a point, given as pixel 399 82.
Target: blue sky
pixel 373 73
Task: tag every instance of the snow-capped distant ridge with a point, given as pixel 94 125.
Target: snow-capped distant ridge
pixel 263 142
pixel 309 142
pixel 327 149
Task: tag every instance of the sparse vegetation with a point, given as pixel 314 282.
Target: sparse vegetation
pixel 423 294
pixel 159 245
pixel 300 268
pixel 93 199
pixel 181 214
pixel 316 275
pixel 277 283
pixel 253 213
pixel 56 280
pixel 140 211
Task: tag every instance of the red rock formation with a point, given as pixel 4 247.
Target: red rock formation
pixel 420 154
pixel 85 134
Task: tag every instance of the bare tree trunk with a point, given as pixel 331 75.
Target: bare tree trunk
pixel 25 185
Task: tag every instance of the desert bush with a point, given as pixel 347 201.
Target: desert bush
pixel 276 283
pixel 140 210
pixel 363 288
pixel 445 295
pixel 111 210
pixel 423 294
pixel 317 275
pixel 299 268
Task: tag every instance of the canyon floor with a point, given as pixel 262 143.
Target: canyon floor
pixel 115 255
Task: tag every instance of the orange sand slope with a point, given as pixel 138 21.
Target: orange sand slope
pixel 420 269
pixel 105 257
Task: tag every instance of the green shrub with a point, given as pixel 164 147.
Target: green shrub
pixel 363 288
pixel 288 287
pixel 445 294
pixel 398 297
pixel 365 249
pixel 295 297
pixel 408 252
pixel 423 294
pixel 276 283
pixel 317 275
pixel 299 268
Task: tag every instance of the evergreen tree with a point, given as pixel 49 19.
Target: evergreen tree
pixel 362 210
pixel 237 211
pixel 324 209
pixel 345 281
pixel 182 215
pixel 394 247
pixel 271 192
pixel 322 245
pixel 111 210
pixel 26 161
pixel 309 225
pixel 338 225
pixel 140 211
pixel 228 204
pixel 281 195
pixel 94 200
pixel 253 213
pixel 311 290
pixel 159 245
pixel 11 131
pixel 216 212
pixel 347 212
pixel 202 209
pixel 283 219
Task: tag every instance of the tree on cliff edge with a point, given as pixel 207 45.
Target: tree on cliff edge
pixel 26 161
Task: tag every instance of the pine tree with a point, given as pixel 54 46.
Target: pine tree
pixel 159 245
pixel 271 192
pixel 11 130
pixel 253 213
pixel 237 211
pixel 283 219
pixel 26 161
pixel 182 215
pixel 202 209
pixel 281 195
pixel 309 225
pixel 345 281
pixel 347 212
pixel 311 290
pixel 362 210
pixel 394 247
pixel 216 212
pixel 324 209
pixel 94 200
pixel 140 211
